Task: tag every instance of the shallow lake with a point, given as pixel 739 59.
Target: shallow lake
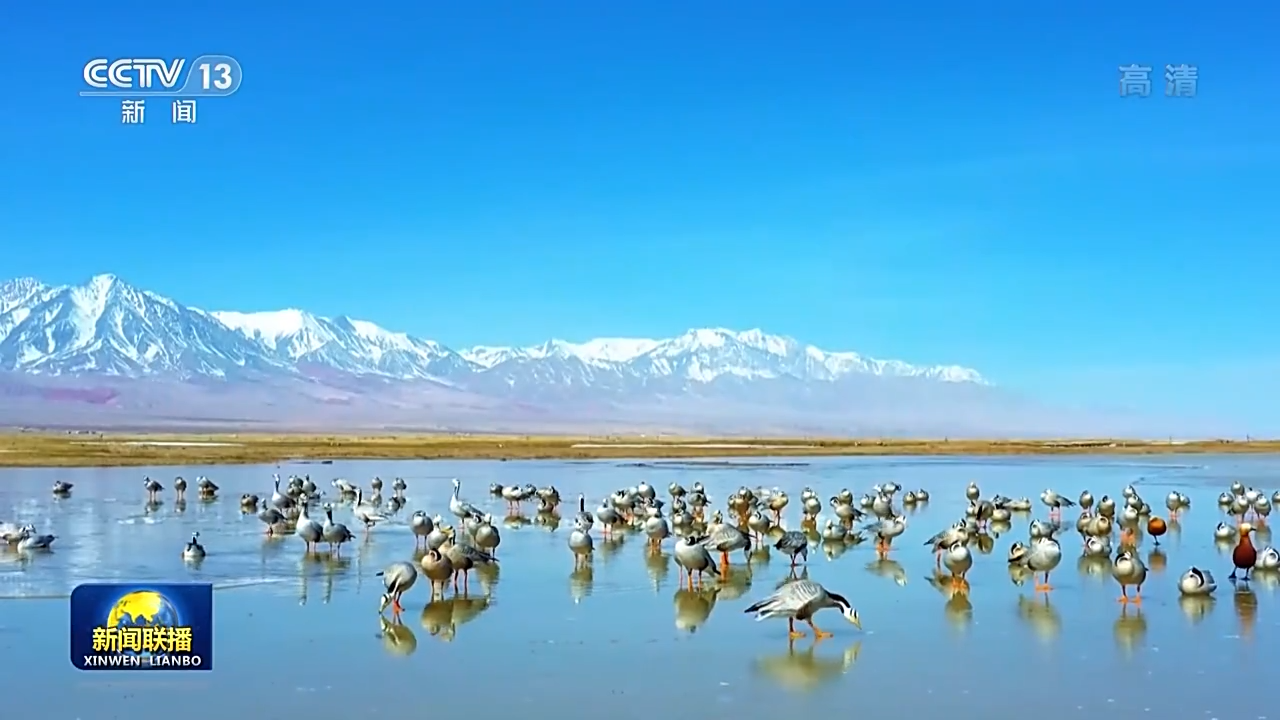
pixel 302 636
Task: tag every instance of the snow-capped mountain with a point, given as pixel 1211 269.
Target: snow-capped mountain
pixel 107 326
pixel 109 330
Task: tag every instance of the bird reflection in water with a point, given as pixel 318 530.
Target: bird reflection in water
pixel 179 507
pixel 888 568
pixel 1175 530
pixel 1130 629
pixel 153 505
pixel 1266 577
pixel 760 556
pixel 958 608
pixel 1245 602
pixel 736 582
pixel 984 542
pixel 806 670
pixel 1096 567
pixel 1261 533
pixel 488 575
pixel 693 607
pixel 1196 607
pixel 581 582
pixel 442 618
pixel 1041 616
pixel 657 565
pixel 1157 561
pixel 609 547
pixel 549 521
pixel 397 638
pixel 515 522
pixel 1020 574
pixel 999 528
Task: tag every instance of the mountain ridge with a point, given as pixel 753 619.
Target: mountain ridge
pixel 106 352
pixel 296 335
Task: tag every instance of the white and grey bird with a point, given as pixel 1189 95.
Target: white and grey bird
pixel 29 539
pixel 1128 570
pixel 1197 583
pixel 194 550
pixel 309 530
pixel 457 505
pixel 61 488
pixel 958 560
pixel 693 557
pixel 421 525
pixel 1055 501
pixel 584 518
pixel 272 518
pixel 334 533
pixel 486 536
pixel 794 544
pixel 581 544
pixel 397 578
pixel 1043 556
pixel 369 514
pixel 280 500
pixel 800 600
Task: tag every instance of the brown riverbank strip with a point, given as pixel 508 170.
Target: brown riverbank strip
pixel 31 449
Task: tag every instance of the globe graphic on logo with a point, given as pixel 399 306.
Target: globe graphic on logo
pixel 142 608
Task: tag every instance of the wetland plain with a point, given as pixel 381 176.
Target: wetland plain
pixel 300 635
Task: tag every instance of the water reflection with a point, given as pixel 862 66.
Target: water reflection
pixel 1094 567
pixel 106 533
pixel 1040 616
pixel 1196 607
pixel 1245 602
pixel 397 638
pixel 1130 629
pixel 442 618
pixel 581 582
pixel 805 670
pixel 693 607
pixel 657 565
pixel 958 610
pixel 888 568
pixel 1157 561
pixel 735 583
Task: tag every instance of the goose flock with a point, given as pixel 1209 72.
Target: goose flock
pixel 704 535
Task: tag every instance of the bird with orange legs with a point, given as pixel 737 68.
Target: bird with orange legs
pixel 1128 570
pixel 886 530
pixel 397 578
pixel 1156 528
pixel 958 560
pixel 958 532
pixel 1043 556
pixel 1245 555
pixel 724 538
pixel 799 600
pixel 692 557
pixel 1055 502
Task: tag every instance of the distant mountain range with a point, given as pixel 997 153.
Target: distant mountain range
pixel 108 354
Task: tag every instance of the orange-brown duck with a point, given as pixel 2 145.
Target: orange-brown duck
pixel 1156 527
pixel 1245 554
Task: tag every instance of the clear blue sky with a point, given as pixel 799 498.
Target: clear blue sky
pixel 936 182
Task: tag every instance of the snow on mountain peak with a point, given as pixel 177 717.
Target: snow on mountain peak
pixel 107 326
pixel 704 354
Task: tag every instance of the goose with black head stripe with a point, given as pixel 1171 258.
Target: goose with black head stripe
pixel 800 600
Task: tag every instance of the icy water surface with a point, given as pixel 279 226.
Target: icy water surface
pixel 302 638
